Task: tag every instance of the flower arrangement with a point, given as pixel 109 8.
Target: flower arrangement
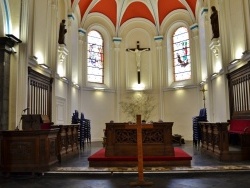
pixel 138 104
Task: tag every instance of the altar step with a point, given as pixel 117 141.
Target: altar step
pixel 180 158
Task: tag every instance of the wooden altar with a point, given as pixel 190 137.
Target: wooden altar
pixel 122 141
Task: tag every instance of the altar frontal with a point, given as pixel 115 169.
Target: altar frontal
pixel 121 139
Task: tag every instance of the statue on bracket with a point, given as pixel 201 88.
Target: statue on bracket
pixel 215 22
pixel 62 32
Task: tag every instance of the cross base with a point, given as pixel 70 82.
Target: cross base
pixel 138 183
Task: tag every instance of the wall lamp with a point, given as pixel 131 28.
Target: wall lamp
pixel 178 87
pixel 214 74
pixel 44 66
pixel 202 83
pixel 13 38
pixel 234 61
pixel 75 84
pixel 64 78
pixel 99 88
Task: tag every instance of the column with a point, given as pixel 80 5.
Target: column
pixel 6 45
pixel 158 42
pixel 117 42
pixel 82 71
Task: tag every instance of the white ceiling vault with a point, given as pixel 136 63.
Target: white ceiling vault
pixel 120 11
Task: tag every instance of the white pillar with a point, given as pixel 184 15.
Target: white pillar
pixel 81 68
pixel 117 42
pixel 158 42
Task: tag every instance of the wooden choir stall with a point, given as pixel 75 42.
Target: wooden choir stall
pixel 38 146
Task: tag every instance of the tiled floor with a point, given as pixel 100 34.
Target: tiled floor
pixel 205 172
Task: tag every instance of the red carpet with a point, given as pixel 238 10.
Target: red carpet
pixel 179 156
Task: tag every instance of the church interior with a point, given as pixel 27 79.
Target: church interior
pixel 135 78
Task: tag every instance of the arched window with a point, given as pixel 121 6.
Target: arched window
pixel 181 55
pixel 95 57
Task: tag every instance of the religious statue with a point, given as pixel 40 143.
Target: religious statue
pixel 215 22
pixel 62 32
pixel 138 56
pixel 137 51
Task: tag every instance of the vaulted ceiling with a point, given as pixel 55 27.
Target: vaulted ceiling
pixel 120 11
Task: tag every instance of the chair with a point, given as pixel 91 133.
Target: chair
pixel 196 128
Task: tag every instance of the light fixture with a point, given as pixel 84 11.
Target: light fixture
pixel 214 74
pixel 202 83
pixel 44 66
pixel 75 84
pixel 246 52
pixel 13 38
pixel 138 87
pixel 178 87
pixel 64 78
pixel 34 57
pixel 99 88
pixel 234 61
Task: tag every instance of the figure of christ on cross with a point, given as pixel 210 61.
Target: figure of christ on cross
pixel 138 127
pixel 137 51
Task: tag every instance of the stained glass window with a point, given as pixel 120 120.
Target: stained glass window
pixel 181 53
pixel 95 57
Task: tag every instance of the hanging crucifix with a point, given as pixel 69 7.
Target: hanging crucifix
pixel 137 51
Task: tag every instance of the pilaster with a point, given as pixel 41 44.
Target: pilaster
pixel 158 43
pixel 117 42
pixel 6 49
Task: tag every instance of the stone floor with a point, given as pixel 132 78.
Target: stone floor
pixel 205 172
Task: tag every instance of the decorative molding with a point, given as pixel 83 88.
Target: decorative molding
pixel 215 46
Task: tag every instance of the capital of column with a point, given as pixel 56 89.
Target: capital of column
pixel 194 29
pixel 54 4
pixel 117 41
pixel 81 34
pixel 158 40
pixel 204 12
pixel 71 18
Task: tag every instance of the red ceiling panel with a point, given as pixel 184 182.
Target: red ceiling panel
pixel 137 10
pixel 192 4
pixel 108 8
pixel 83 5
pixel 167 6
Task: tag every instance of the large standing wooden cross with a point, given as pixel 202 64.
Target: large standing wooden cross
pixel 138 127
pixel 138 52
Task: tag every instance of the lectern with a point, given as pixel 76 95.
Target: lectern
pixel 35 122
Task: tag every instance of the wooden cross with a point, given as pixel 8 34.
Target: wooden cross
pixel 138 52
pixel 204 99
pixel 138 127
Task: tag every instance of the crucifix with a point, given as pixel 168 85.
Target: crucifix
pixel 137 51
pixel 138 127
pixel 203 91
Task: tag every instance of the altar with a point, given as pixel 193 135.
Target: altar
pixel 122 141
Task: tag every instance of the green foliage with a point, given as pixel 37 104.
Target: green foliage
pixel 138 104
